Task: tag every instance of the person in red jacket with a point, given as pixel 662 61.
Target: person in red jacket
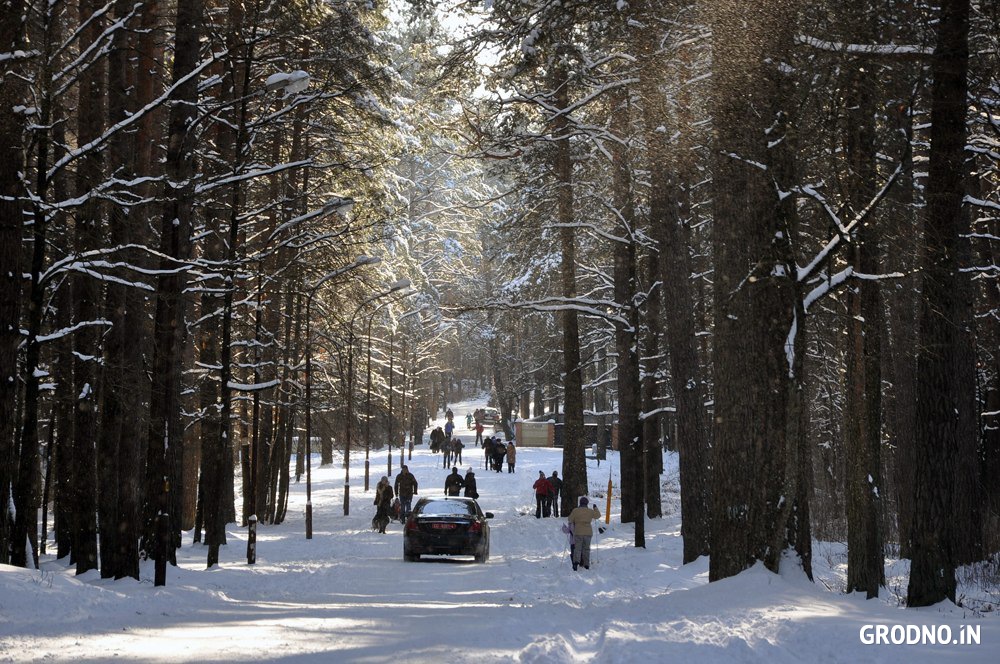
pixel 543 491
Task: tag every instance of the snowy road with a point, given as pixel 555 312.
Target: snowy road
pixel 347 595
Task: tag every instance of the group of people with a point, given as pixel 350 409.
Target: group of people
pixel 455 483
pixel 496 452
pixel 402 490
pixel 547 493
pixel 548 490
pixel 450 447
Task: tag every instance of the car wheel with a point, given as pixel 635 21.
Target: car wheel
pixel 411 558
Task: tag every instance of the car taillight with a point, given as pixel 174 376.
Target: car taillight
pixel 475 527
pixel 411 524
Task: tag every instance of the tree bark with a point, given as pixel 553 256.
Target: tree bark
pixel 87 295
pixel 12 126
pixel 117 445
pixel 669 207
pixel 626 291
pixel 937 444
pixel 755 308
pixel 165 442
pixel 863 409
pixel 650 371
pixel 574 466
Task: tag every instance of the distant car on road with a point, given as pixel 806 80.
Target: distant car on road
pixel 447 526
pixel 488 416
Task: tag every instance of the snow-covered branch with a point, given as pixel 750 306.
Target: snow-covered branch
pixel 878 50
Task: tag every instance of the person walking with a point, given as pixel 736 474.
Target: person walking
pixel 470 484
pixel 488 453
pixel 383 503
pixel 406 487
pixel 511 456
pixel 449 427
pixel 468 420
pixel 556 491
pixel 453 483
pixel 446 448
pixel 580 523
pixel 479 433
pixel 499 454
pixel 456 450
pixel 542 489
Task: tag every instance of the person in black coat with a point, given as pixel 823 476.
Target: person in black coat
pixel 453 483
pixel 470 484
pixel 556 492
pixel 499 454
pixel 488 452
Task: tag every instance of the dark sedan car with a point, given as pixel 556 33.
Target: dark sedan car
pixel 448 526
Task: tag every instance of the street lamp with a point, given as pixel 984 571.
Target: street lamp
pixel 396 286
pixel 358 262
pixel 392 373
pixel 368 397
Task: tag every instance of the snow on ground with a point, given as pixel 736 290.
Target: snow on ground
pixel 347 596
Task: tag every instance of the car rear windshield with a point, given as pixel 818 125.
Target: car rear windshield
pixel 448 507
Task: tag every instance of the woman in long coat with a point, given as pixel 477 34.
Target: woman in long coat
pixel 470 484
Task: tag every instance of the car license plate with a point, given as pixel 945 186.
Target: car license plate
pixel 443 526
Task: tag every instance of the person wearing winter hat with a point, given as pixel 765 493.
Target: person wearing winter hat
pixel 580 524
pixel 470 484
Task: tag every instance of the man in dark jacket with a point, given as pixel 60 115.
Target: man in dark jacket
pixel 454 483
pixel 406 487
pixel 556 484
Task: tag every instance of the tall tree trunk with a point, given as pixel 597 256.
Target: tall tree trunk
pixel 937 445
pixel 574 465
pixel 626 290
pixel 122 456
pixel 63 416
pixel 754 295
pixel 87 295
pixel 863 409
pixel 12 89
pixel 669 207
pixel 165 442
pixel 903 229
pixel 650 371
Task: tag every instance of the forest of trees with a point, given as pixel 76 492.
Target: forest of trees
pixel 762 235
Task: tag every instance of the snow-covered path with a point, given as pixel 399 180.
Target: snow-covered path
pixel 347 596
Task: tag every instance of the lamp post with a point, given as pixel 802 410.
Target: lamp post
pixel 368 397
pixel 397 286
pixel 392 372
pixel 368 406
pixel 358 262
